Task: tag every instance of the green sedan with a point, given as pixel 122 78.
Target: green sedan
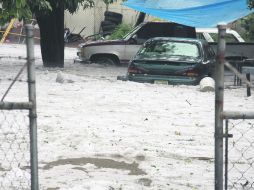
pixel 172 61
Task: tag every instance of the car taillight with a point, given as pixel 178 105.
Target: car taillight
pixel 133 70
pixel 191 73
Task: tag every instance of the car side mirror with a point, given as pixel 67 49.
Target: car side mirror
pixel 133 39
pixel 205 62
pixel 134 36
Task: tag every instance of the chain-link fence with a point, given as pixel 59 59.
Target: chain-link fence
pixel 238 132
pixel 14 127
pixel 18 125
pixel 14 150
pixel 239 154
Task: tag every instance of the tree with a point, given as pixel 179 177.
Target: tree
pixel 51 26
pixel 50 17
pixel 250 3
pixel 247 24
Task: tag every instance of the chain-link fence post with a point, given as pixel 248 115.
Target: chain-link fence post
pixel 219 95
pixel 32 111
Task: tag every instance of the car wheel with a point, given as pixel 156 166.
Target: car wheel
pixel 105 60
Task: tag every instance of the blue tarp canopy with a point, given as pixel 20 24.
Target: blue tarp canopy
pixel 197 13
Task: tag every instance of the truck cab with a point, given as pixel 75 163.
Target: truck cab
pixel 121 51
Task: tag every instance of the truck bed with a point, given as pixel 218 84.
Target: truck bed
pixel 237 51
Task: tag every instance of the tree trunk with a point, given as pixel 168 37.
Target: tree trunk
pixel 52 34
pixel 141 18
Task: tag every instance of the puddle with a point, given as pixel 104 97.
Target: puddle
pixel 99 163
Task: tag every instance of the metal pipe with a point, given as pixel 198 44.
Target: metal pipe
pixel 237 115
pixel 219 96
pixel 32 111
pixel 226 155
pixel 248 87
pixel 15 105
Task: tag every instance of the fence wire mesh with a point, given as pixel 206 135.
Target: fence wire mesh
pixel 14 150
pixel 14 128
pixel 240 162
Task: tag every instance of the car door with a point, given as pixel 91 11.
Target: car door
pixel 131 48
pixel 208 65
pixel 147 31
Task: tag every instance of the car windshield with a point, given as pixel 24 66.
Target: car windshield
pixel 169 50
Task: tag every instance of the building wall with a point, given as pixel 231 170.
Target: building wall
pixel 91 18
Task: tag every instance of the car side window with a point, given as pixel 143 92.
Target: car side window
pixel 200 36
pixel 228 37
pixel 209 53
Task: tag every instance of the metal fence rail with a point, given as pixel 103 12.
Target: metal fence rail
pixel 18 131
pixel 239 150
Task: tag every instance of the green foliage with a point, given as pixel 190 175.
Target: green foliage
pixel 250 3
pixel 73 5
pixel 109 1
pixel 11 8
pixel 247 24
pixel 24 9
pixel 120 31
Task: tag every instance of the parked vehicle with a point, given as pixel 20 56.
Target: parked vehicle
pixel 121 51
pixel 211 35
pixel 237 49
pixel 172 61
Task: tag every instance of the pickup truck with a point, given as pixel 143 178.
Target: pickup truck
pixel 236 48
pixel 119 52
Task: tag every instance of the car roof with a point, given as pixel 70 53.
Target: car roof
pixel 162 22
pixel 212 30
pixel 191 40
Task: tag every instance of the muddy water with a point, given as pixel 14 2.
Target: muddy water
pixel 99 163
